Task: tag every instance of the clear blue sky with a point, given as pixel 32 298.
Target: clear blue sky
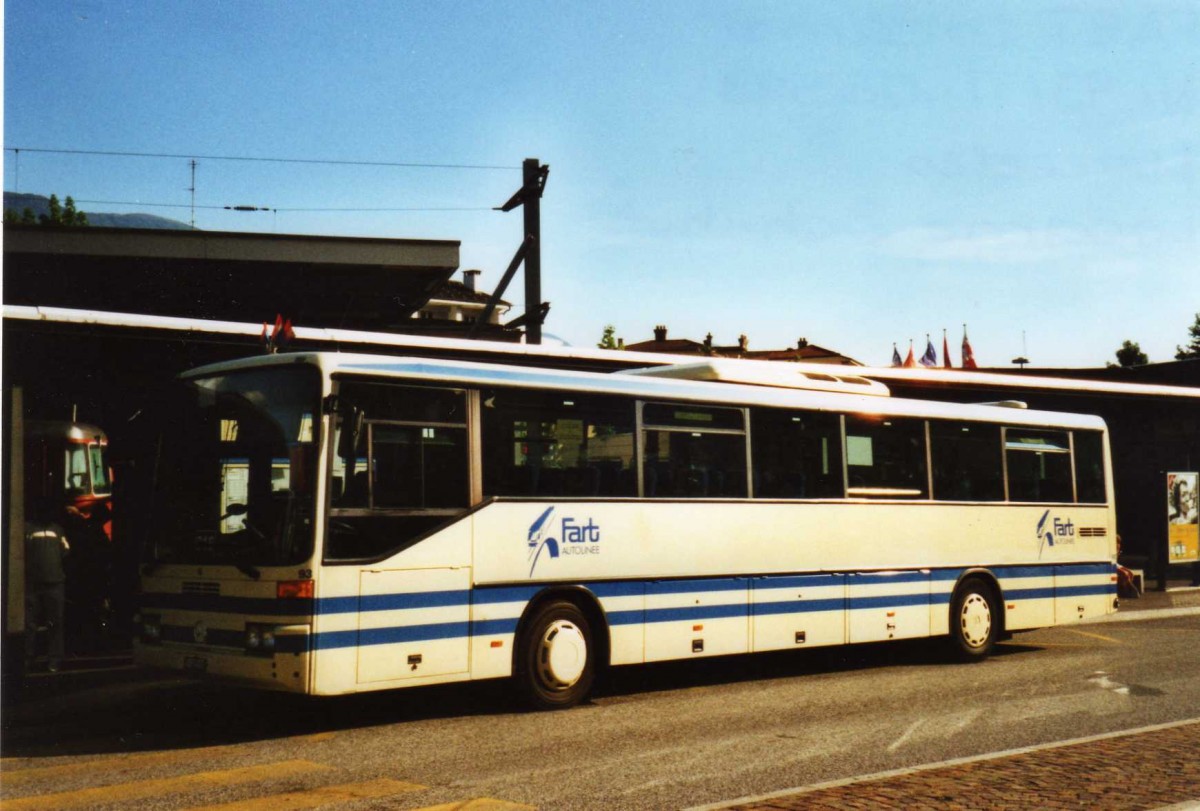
pixel 855 173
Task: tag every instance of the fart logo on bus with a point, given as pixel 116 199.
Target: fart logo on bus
pixel 1054 531
pixel 578 538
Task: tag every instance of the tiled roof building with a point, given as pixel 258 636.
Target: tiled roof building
pixel 802 351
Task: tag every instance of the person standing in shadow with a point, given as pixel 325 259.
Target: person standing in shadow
pixel 46 548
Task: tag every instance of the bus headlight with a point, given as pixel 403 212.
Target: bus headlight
pixel 260 639
pixel 151 629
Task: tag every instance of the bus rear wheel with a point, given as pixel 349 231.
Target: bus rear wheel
pixel 556 658
pixel 974 620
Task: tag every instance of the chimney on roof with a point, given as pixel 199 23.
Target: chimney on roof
pixel 469 277
pixel 743 343
pixel 708 341
pixel 803 342
pixel 660 333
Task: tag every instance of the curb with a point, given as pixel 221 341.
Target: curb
pixel 1144 614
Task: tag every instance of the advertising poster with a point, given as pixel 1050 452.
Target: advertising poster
pixel 1183 525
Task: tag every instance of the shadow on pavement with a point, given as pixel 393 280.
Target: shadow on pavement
pixel 127 710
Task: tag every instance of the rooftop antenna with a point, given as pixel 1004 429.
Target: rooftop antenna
pixel 192 189
pixel 1024 357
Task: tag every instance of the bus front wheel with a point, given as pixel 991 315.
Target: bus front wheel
pixel 556 659
pixel 974 620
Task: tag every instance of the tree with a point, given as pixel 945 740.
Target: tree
pixel 63 214
pixel 26 216
pixel 1130 354
pixel 609 340
pixel 1192 350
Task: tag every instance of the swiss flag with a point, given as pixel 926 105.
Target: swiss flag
pixel 968 355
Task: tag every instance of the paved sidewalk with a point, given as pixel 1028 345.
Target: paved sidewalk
pixel 1093 773
pixel 1179 594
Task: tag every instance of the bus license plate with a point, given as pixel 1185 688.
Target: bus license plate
pixel 195 664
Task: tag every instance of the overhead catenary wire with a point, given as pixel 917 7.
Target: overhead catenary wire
pixel 277 208
pixel 259 159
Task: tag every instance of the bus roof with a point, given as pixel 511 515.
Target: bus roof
pixel 466 373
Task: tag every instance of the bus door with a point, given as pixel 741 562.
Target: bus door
pixel 400 484
pixel 412 623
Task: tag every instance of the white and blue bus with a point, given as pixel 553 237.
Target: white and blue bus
pixel 332 523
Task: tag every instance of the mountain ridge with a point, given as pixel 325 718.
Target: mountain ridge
pixel 40 206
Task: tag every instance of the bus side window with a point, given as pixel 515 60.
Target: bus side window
pixel 885 457
pixel 797 454
pixel 401 467
pixel 555 444
pixel 1089 467
pixel 693 451
pixel 967 465
pixel 1039 465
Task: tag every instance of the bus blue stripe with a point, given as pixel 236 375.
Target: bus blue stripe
pixel 1083 591
pixel 1018 572
pixel 657 587
pixel 454 630
pixel 799 606
pixel 330 640
pixel 1046 593
pixel 619 588
pixel 697 612
pixel 888 601
pixel 393 602
pixel 1060 591
pixel 494 627
pixel 488 595
pixel 1075 570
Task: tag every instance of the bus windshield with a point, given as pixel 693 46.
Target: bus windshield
pixel 237 470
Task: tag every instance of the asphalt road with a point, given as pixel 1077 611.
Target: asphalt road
pixel 668 736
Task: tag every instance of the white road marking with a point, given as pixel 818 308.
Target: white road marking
pixel 907 734
pixel 1101 679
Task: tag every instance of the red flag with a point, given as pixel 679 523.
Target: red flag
pixel 968 356
pixel 945 352
pixel 910 362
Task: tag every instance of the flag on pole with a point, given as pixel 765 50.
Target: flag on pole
pixel 895 354
pixel 945 352
pixel 929 359
pixel 968 356
pixel 909 363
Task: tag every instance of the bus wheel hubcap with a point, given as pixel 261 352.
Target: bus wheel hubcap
pixel 563 654
pixel 976 620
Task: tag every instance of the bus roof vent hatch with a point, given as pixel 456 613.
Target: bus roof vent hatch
pixel 765 373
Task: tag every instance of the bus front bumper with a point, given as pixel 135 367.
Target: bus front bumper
pixel 281 671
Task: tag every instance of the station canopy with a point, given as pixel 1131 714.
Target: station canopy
pixel 348 282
